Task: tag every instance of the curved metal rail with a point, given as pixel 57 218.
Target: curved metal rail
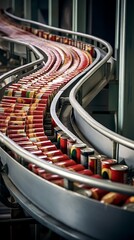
pixel 107 141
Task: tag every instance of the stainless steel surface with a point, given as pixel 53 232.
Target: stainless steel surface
pixel 76 211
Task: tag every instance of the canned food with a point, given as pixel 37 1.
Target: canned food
pixel 30 148
pixel 24 100
pixel 35 130
pixel 18 123
pixel 59 182
pixel 35 134
pixel 34 126
pixel 53 153
pixel 19 135
pixel 119 173
pixel 85 153
pixel 130 200
pixel 14 131
pixel 76 167
pixel 59 134
pixel 76 151
pixel 37 152
pixel 100 158
pixel 70 143
pixel 24 143
pixel 98 193
pixel 59 158
pixel 114 198
pixel 63 143
pixel 92 164
pixel 56 130
pixel 105 167
pixel 42 143
pixel 86 172
pixel 30 166
pixel 48 148
pixel 20 139
pixel 66 163
pixel 14 127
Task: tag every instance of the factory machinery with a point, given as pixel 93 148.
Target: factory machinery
pixel 66 170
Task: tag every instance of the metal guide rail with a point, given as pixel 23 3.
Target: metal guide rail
pixel 23 168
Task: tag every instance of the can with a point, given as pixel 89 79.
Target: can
pixel 85 153
pixel 100 158
pixel 98 193
pixel 53 177
pixel 24 143
pixel 30 148
pixel 15 127
pixel 40 139
pixel 56 130
pixel 105 167
pixel 114 198
pixel 59 158
pixel 87 172
pixel 76 167
pixel 76 151
pixel 119 173
pixel 59 134
pixel 130 200
pixel 24 100
pixel 15 131
pixel 35 130
pixel 92 164
pixel 48 148
pixel 34 151
pixel 18 123
pixel 63 143
pixel 35 125
pixel 53 153
pixel 20 139
pixel 70 143
pixel 59 182
pixel 65 163
pixel 42 143
pixel 40 171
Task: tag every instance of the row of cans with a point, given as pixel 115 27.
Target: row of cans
pixel 61 39
pixel 98 164
pixel 108 168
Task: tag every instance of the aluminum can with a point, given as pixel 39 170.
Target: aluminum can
pixel 70 143
pixel 92 164
pixel 63 143
pixel 76 151
pixel 66 163
pixel 60 158
pixel 53 153
pixel 114 198
pixel 76 167
pixel 85 153
pixel 105 167
pixel 119 173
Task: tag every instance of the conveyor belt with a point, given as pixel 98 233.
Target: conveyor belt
pixel 55 191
